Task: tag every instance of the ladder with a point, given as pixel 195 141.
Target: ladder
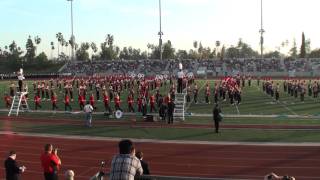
pixel 178 113
pixel 18 105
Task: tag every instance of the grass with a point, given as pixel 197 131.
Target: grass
pixel 254 102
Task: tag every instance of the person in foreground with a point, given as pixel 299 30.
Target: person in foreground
pixel 217 117
pixel 13 171
pixel 144 164
pixel 125 165
pixel 273 176
pixel 50 162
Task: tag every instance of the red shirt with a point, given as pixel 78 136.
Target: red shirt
pixel 81 99
pixel 130 100
pixel 106 99
pixel 66 100
pixel 91 99
pixel 152 99
pixel 37 99
pixel 54 99
pixel 47 160
pixel 117 100
pixel 7 99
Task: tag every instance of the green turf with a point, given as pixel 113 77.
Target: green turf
pixel 171 133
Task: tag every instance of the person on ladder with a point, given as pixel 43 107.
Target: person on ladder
pixel 180 78
pixel 20 79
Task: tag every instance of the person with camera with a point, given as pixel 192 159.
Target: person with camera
pixel 50 162
pixel 13 170
pixel 88 109
pixel 273 176
pixel 125 165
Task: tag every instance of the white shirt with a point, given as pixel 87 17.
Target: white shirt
pixel 88 108
pixel 21 77
pixel 180 74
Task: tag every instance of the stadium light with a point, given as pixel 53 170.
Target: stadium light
pixel 72 36
pixel 160 32
pixel 261 31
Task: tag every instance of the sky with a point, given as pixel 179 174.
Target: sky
pixel 136 22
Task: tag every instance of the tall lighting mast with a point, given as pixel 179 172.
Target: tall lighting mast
pixel 160 32
pixel 261 31
pixel 72 36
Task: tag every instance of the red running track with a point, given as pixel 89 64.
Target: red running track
pixel 218 161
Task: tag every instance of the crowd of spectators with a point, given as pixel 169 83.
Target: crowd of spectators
pixel 152 67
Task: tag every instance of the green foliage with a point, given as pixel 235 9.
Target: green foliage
pixel 82 53
pixel 303 47
pixel 272 54
pixel 31 50
pixel 293 50
pixel 315 53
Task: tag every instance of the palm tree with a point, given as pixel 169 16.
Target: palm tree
pixel 52 48
pixel 37 40
pixel 59 37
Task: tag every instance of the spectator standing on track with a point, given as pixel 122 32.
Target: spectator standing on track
pixel 125 165
pixel 144 164
pixel 217 117
pixel 12 169
pixel 88 109
pixel 50 163
pixel 7 100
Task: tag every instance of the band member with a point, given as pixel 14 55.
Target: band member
pixel 277 89
pixel 195 93
pixel 249 81
pixel 188 94
pixel 54 100
pixel 81 99
pixel 216 94
pixel 47 91
pixel 7 100
pixel 238 95
pixel 144 106
pixel 67 103
pixel 12 87
pixel 130 103
pixel 117 102
pixel 139 100
pixel 43 90
pixel 315 90
pixel 92 102
pixel 37 101
pixel 70 90
pixel 310 88
pixel 106 101
pixel 152 103
pixel 207 93
pixel 302 92
pixel 98 91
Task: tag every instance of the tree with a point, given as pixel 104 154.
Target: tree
pixel 168 50
pixel 30 54
pixel 308 47
pixel 272 54
pixel 303 47
pixel 82 54
pixel 315 53
pixel 94 49
pixel 293 50
pixel 182 54
pixel 37 41
pixel 223 50
pixel 59 37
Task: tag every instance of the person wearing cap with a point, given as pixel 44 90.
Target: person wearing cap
pixel 13 170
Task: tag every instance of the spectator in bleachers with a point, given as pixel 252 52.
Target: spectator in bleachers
pixel 125 165
pixel 13 170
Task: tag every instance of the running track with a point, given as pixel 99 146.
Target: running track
pixel 199 160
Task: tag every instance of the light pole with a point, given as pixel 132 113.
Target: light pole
pixel 72 36
pixel 160 32
pixel 261 31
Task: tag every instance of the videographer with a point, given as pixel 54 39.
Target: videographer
pixel 50 162
pixel 12 169
pixel 273 176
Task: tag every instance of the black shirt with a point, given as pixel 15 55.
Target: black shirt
pixel 12 169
